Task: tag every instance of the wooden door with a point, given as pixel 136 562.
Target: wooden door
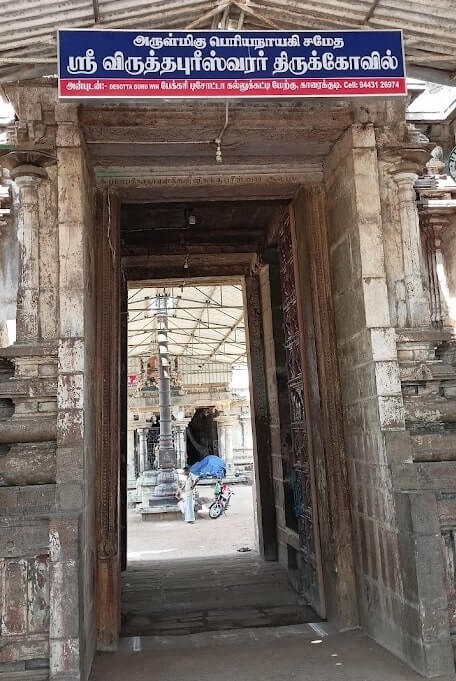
pixel 107 381
pixel 300 473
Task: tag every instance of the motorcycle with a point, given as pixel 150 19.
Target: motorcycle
pixel 220 505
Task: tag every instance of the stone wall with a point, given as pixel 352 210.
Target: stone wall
pixel 398 556
pixel 47 471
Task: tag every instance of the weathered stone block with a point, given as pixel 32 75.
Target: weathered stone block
pixel 439 658
pixel 14 577
pixel 64 539
pixel 349 313
pixel 24 501
pixel 70 427
pixel 71 313
pixel 71 249
pixel 66 112
pixel 70 464
pixel 64 603
pixel 387 378
pixel 340 218
pixel 391 412
pixel 341 266
pixel 398 446
pixel 371 247
pixel 71 355
pixel 376 302
pixel 38 595
pixel 21 540
pixel 69 496
pixel 64 658
pixel 20 649
pixel 363 136
pixel 68 135
pixel 70 391
pixel 48 406
pixel 28 464
pixel 366 380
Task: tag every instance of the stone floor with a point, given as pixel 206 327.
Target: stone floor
pixel 198 610
pixel 299 653
pixel 208 594
pixel 176 539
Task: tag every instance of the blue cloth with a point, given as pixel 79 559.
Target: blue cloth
pixel 210 467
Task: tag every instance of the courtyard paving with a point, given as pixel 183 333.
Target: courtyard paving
pixel 177 539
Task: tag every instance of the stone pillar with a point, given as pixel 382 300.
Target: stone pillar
pixel 143 461
pixel 431 229
pixel 418 313
pixel 131 472
pixel 225 437
pixel 167 453
pixel 28 179
pixel 246 429
pixel 159 487
pixel 180 426
pixel 9 256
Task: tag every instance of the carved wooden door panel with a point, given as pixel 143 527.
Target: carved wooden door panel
pixel 108 415
pixel 299 474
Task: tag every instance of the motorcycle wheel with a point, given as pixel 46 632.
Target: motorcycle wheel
pixel 215 510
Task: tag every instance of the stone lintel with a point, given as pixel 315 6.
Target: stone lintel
pixel 425 334
pixel 31 350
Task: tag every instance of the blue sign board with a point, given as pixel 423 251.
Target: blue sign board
pixel 143 64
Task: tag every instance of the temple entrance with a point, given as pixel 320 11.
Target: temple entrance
pixel 202 434
pixel 181 264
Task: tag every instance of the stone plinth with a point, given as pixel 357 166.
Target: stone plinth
pixel 160 513
pixel 158 492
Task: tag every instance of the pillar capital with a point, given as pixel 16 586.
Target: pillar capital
pixel 225 420
pixel 27 162
pixel 181 424
pixel 28 175
pixel 405 149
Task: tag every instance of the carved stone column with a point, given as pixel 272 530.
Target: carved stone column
pixel 131 469
pixel 417 306
pixel 8 255
pixel 432 228
pixel 225 438
pixel 181 441
pixel 143 462
pixel 28 178
pixel 246 430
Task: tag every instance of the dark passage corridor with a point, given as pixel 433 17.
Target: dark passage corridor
pixel 177 597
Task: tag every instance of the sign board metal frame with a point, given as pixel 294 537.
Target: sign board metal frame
pixel 125 64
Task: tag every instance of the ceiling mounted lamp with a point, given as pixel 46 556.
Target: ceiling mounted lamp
pixel 190 217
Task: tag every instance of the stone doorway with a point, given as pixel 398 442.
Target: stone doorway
pixel 258 243
pixel 204 430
